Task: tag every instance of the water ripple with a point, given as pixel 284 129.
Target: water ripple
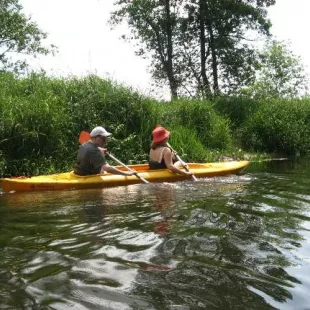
pixel 239 242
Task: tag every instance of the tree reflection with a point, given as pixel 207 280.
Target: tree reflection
pixel 210 244
pixel 226 250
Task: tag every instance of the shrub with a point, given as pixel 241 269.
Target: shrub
pixel 212 129
pixel 280 126
pixel 237 109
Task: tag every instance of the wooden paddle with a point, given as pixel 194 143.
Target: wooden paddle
pixel 181 161
pixel 85 136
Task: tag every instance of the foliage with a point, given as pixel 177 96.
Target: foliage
pixel 41 118
pixel 152 24
pixel 280 74
pixel 19 36
pixel 91 101
pixel 199 46
pixel 32 120
pixel 279 127
pixel 237 109
pixel 216 50
pixel 198 116
pixel 188 145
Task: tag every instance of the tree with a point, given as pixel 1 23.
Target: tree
pixel 19 36
pixel 152 24
pixel 220 31
pixel 280 74
pixel 198 46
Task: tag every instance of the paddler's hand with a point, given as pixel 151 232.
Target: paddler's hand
pixel 103 151
pixel 189 173
pixel 129 173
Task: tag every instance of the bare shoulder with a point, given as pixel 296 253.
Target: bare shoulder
pixel 167 150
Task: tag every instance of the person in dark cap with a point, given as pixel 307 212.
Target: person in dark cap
pixel 91 155
pixel 161 156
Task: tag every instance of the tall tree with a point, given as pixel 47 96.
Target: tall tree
pixel 221 29
pixel 19 36
pixel 199 46
pixel 279 74
pixel 152 24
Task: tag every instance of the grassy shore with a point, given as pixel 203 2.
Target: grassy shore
pixel 41 118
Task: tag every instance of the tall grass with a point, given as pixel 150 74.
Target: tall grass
pixel 281 126
pixel 237 109
pixel 196 128
pixel 32 126
pixel 41 118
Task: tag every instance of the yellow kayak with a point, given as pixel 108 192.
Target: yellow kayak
pixel 69 180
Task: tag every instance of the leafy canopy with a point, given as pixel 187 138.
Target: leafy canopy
pixel 200 47
pixel 19 37
pixel 279 74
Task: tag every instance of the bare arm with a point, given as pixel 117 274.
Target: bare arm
pixel 169 163
pixel 106 167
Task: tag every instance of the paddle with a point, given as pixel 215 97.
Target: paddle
pixel 181 161
pixel 85 136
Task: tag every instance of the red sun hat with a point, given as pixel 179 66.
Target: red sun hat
pixel 160 134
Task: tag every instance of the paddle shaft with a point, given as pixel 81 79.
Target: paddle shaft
pixel 181 161
pixel 128 168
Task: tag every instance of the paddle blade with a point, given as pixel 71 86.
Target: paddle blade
pixel 84 137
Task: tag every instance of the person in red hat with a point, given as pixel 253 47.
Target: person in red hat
pixel 161 156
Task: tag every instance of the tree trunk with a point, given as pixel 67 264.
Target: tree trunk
pixel 170 74
pixel 214 61
pixel 203 57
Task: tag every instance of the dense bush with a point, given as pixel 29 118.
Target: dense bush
pixel 210 128
pixel 92 101
pixel 280 127
pixel 31 125
pixel 41 118
pixel 188 145
pixel 237 109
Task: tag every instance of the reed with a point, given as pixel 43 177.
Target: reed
pixel 279 126
pixel 41 118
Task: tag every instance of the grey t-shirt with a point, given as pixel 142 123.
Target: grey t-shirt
pixel 89 159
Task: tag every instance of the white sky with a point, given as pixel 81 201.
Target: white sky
pixel 87 45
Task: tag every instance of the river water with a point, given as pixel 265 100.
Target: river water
pixel 237 242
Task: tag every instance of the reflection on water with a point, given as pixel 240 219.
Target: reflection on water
pixel 240 242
